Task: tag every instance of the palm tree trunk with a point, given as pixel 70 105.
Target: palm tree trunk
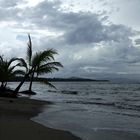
pixel 5 84
pixel 31 82
pixel 21 83
pixel 2 85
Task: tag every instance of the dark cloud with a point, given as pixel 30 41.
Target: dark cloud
pixel 9 14
pixel 78 28
pixel 9 3
pixel 137 41
pixel 91 30
pixel 86 45
pixel 93 59
pixel 85 31
pixel 88 29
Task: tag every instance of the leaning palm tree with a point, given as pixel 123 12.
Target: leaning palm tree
pixel 42 62
pixel 8 71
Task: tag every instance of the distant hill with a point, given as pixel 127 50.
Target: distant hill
pixel 75 80
pixel 71 79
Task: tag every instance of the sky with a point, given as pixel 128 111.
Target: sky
pixel 97 39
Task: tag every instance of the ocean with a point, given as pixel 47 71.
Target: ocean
pixel 86 107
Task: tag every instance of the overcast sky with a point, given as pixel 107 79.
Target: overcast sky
pixel 94 38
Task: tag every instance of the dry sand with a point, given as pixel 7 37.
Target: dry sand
pixel 15 123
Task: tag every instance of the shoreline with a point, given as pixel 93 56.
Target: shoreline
pixel 16 123
pixel 101 133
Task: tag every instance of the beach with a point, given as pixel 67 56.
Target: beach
pixel 99 111
pixel 15 123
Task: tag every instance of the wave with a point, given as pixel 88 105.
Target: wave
pixel 118 105
pixel 127 114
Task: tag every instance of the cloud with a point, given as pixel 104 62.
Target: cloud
pixel 88 29
pixel 77 28
pixel 127 13
pixel 10 15
pixel 94 60
pixel 91 30
pixel 87 46
pixel 8 3
pixel 137 41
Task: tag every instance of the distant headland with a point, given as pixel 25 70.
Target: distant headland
pixel 70 79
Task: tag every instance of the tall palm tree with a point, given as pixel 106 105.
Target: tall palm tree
pixel 42 62
pixel 8 70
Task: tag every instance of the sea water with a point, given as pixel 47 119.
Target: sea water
pixel 85 107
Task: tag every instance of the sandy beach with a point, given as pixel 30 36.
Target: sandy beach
pixel 15 121
pixel 15 124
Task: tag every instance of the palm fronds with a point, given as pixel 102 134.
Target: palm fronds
pixel 41 57
pixel 48 83
pixel 19 72
pixel 48 68
pixel 11 61
pixel 8 69
pixel 29 50
pixel 23 63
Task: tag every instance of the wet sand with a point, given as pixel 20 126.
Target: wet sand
pixel 113 135
pixel 15 123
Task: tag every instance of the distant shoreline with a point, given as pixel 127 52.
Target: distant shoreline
pixel 17 79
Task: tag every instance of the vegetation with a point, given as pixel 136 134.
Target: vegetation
pixel 40 63
pixel 37 64
pixel 7 71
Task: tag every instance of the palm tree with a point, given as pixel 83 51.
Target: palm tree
pixel 8 70
pixel 42 62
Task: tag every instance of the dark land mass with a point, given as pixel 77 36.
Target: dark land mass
pixel 17 79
